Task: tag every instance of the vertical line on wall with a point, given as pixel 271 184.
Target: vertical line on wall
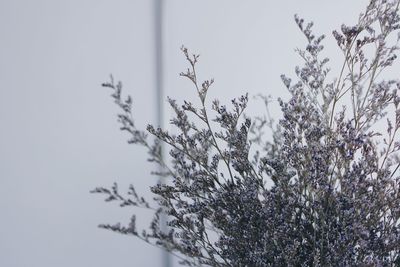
pixel 158 20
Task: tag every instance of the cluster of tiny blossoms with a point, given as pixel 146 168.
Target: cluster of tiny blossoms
pixel 323 191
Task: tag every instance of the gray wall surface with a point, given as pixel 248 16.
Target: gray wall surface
pixel 58 132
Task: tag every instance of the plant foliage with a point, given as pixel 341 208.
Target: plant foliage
pixel 322 191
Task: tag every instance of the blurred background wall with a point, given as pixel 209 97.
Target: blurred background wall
pixel 58 132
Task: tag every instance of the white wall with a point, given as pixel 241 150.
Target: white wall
pixel 58 133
